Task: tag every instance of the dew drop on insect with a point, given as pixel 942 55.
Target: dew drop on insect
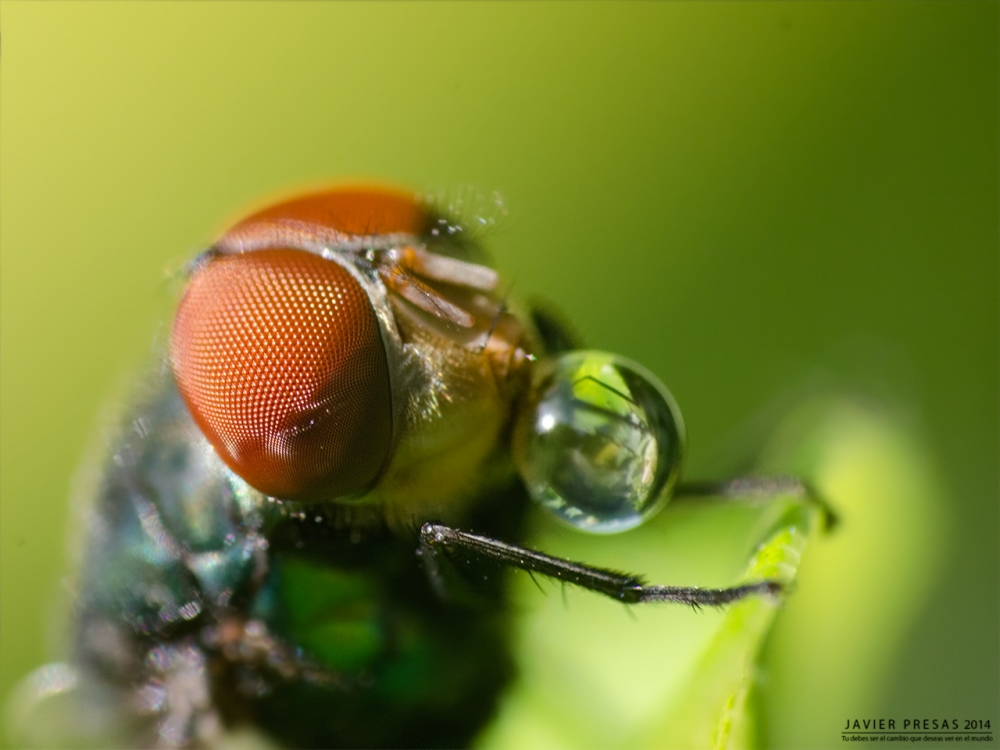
pixel 599 441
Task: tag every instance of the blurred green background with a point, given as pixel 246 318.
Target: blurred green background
pixel 746 197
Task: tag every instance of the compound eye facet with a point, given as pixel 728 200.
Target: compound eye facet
pixel 279 357
pixel 599 442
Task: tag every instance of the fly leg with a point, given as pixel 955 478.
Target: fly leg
pixel 436 540
pixel 759 490
pixel 458 575
pixel 443 547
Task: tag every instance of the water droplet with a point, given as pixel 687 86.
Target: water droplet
pixel 599 441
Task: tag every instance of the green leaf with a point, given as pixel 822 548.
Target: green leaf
pixel 713 710
pixel 831 653
pixel 666 676
pixel 761 672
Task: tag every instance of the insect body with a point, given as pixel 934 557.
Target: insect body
pixel 304 519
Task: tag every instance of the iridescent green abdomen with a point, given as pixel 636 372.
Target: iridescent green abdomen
pixel 320 632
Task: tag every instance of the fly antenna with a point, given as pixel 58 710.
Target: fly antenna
pixel 496 318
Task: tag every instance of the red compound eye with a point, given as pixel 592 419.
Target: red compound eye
pixel 279 357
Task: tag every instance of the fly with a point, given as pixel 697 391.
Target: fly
pixel 305 518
